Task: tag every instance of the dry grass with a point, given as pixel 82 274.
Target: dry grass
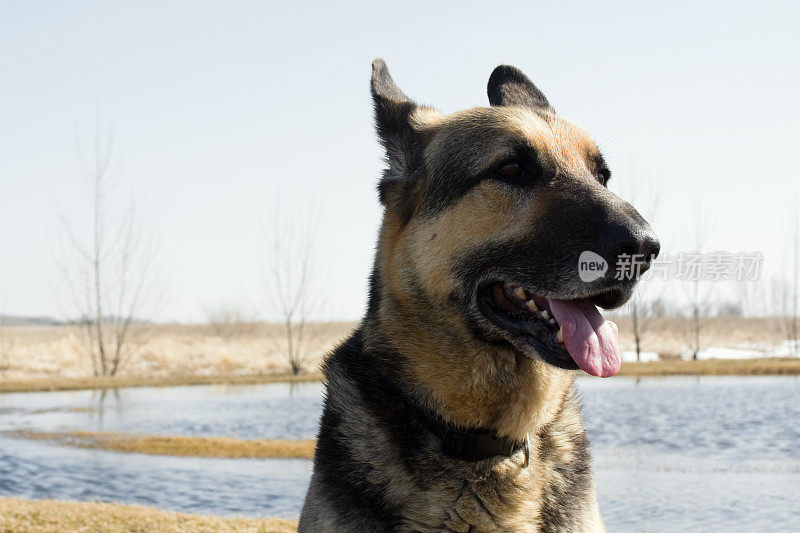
pixel 225 447
pixel 26 516
pixel 169 350
pixel 719 367
pixel 714 367
pixel 70 383
pixel 668 336
pixel 51 358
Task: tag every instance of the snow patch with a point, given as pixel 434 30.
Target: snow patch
pixel 629 356
pixel 785 349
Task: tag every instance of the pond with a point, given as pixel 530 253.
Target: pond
pixel 276 410
pixel 670 454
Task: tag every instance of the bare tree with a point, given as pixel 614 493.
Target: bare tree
pixel 784 289
pixel 790 310
pixel 108 269
pixel 644 315
pixel 290 272
pixel 781 308
pixel 641 316
pixel 5 345
pixel 698 292
pixel 697 310
pixel 639 325
pixel 647 201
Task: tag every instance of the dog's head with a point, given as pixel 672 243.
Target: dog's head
pixel 499 229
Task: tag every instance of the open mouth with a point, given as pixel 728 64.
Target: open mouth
pixel 566 333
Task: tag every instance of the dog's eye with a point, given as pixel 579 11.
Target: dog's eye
pixel 511 170
pixel 603 175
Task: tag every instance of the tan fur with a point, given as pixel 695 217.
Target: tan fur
pixel 506 497
pixel 467 382
pixel 567 146
pixel 462 379
pixel 472 385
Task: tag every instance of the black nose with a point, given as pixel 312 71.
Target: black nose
pixel 633 245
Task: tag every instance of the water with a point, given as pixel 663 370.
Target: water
pixel 723 419
pixel 688 453
pixel 35 470
pixel 277 410
pixel 670 454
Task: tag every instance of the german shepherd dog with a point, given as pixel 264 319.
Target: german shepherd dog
pixel 453 407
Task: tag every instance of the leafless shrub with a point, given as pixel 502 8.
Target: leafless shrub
pixel 291 273
pixel 791 309
pixel 697 290
pixel 642 314
pixel 229 322
pixel 5 346
pixel 108 270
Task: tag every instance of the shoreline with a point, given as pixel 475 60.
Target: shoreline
pixel 767 366
pixel 47 384
pixel 25 515
pixel 764 366
pixel 176 446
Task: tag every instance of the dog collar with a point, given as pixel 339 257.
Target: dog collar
pixel 476 444
pixel 463 443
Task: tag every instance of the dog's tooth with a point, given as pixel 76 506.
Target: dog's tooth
pixel 519 292
pixel 560 335
pixel 531 305
pixel 552 321
pixel 545 314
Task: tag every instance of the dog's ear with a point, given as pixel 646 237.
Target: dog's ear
pixel 398 121
pixel 508 86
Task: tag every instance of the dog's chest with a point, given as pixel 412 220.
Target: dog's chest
pixel 505 499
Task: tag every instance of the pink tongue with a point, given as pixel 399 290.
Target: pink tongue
pixel 591 340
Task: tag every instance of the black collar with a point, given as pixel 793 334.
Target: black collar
pixel 473 444
pixel 467 444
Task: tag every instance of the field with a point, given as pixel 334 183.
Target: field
pixel 669 336
pixel 22 516
pixel 33 357
pixel 163 351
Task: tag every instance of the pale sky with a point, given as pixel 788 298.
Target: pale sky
pixel 216 107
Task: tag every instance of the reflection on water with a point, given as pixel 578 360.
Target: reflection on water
pixel 669 453
pixel 277 410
